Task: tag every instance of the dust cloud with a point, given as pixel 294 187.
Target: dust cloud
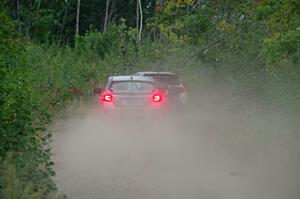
pixel 212 150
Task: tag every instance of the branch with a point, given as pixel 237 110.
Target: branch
pixel 198 51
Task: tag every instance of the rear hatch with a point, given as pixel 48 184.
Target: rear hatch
pixel 170 82
pixel 132 99
pixel 132 93
pixel 175 90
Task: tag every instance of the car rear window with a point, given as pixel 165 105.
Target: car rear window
pixel 166 79
pixel 132 86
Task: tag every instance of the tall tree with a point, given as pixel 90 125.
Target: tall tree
pixel 63 22
pixel 140 17
pixel 18 14
pixel 137 21
pixel 106 15
pixel 77 18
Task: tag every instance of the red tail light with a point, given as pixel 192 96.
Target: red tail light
pixel 156 98
pixel 107 98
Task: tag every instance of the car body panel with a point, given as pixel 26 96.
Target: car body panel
pixel 129 97
pixel 176 91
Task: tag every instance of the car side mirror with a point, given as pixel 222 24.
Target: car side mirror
pixel 97 91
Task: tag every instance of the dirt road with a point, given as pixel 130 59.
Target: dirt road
pixel 201 154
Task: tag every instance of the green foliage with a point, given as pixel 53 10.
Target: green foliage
pixel 13 187
pixel 9 45
pixel 97 43
pixel 283 49
pixel 119 39
pixel 54 21
pixel 35 85
pixel 252 44
pixel 281 46
pixel 33 92
pixel 22 118
pixel 197 25
pixel 280 15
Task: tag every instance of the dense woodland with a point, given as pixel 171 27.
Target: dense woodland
pixel 54 52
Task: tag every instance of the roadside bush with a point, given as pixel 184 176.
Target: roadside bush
pixel 14 187
pixel 253 45
pixel 283 49
pixel 96 44
pixel 38 81
pixel 22 120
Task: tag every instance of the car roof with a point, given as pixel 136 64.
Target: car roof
pixel 155 73
pixel 131 77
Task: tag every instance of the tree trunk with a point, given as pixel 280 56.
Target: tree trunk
pixel 38 5
pixel 63 23
pixel 137 21
pixel 198 4
pixel 225 8
pixel 77 18
pixel 141 22
pixel 111 11
pixel 106 15
pixel 18 13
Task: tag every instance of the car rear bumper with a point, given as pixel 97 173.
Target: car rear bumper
pixel 130 113
pixel 110 107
